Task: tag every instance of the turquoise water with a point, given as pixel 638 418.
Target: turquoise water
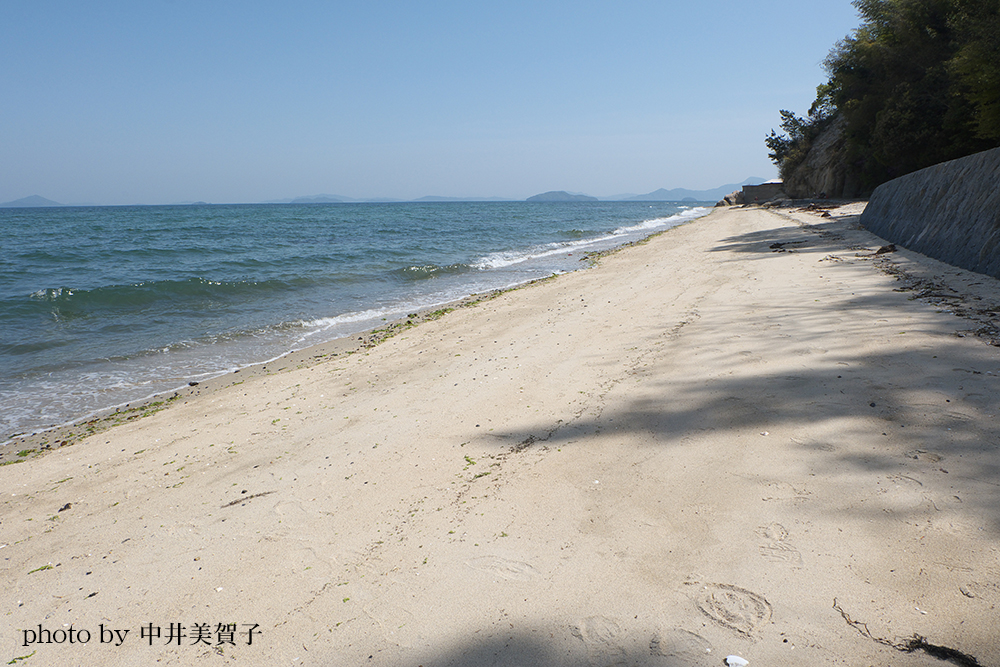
pixel 100 306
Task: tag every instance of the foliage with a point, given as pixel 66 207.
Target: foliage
pixel 917 83
pixel 977 62
pixel 790 149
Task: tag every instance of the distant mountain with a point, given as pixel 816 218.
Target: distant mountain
pixel 676 194
pixel 433 198
pixel 30 202
pixel 560 195
pixel 682 194
pixel 323 199
pixel 314 199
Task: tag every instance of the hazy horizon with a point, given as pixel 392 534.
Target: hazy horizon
pixel 304 199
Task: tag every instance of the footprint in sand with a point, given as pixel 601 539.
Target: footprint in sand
pixel 508 569
pixel 777 549
pixel 733 607
pixel 683 647
pixel 783 492
pixel 398 624
pixel 774 532
pixel 602 637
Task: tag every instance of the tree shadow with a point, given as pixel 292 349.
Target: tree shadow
pixel 917 408
pixel 922 411
pixel 562 646
pixel 807 238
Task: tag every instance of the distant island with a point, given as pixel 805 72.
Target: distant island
pixel 674 195
pixel 321 199
pixel 560 195
pixel 34 201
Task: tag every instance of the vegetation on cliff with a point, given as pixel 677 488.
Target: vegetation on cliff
pixel 916 84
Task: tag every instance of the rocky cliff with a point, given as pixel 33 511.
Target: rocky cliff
pixel 950 212
pixel 823 171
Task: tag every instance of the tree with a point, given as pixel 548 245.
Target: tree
pixel 789 149
pixel 918 82
pixel 977 62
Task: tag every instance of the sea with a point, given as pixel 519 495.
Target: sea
pixel 103 306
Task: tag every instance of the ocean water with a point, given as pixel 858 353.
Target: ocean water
pixel 101 306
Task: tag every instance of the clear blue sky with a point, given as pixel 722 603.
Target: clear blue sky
pixel 163 101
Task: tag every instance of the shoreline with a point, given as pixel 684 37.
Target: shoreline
pixel 16 446
pixel 51 438
pixel 22 446
pixel 61 435
pixel 94 373
pixel 753 436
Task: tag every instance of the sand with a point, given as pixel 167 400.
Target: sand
pixel 706 445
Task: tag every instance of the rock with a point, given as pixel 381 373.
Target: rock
pixel 734 198
pixel 777 201
pixel 824 169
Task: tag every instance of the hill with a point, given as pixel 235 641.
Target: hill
pixel 34 201
pixel 682 194
pixel 320 199
pixel 560 195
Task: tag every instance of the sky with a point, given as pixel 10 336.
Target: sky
pixel 167 101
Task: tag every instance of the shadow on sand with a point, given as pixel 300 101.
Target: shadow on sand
pixel 931 408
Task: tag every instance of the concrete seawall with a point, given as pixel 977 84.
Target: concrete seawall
pixel 950 212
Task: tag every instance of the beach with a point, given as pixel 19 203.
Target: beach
pixel 750 435
pixel 103 307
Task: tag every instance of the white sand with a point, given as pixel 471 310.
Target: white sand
pixel 701 447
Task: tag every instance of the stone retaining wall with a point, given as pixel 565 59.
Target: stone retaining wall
pixel 761 193
pixel 950 212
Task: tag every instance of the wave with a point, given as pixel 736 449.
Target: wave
pixel 72 301
pixel 33 347
pixel 347 323
pixel 499 260
pixel 675 219
pixel 346 318
pixel 426 271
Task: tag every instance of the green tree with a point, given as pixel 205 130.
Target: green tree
pixel 788 150
pixel 918 82
pixel 977 62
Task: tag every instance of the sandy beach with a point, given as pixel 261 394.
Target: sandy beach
pixel 748 436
